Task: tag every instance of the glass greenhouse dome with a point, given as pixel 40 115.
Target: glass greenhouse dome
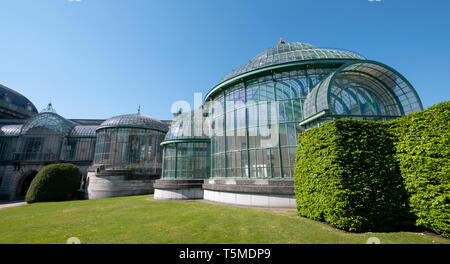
pixel 186 148
pixel 130 142
pixel 258 109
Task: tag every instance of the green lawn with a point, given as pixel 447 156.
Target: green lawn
pixel 139 220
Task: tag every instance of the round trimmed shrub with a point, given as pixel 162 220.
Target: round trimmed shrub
pixel 55 182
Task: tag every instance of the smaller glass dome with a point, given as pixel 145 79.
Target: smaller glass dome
pixel 186 148
pixel 188 125
pixel 134 121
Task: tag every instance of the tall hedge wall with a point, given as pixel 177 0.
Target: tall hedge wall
pixel 54 183
pixel 422 144
pixel 346 175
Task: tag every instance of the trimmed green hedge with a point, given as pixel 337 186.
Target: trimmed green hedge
pixel 422 143
pixel 346 175
pixel 54 183
pixel 362 175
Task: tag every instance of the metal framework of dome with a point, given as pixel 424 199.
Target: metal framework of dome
pixel 290 52
pixel 49 120
pixel 134 121
pixel 364 88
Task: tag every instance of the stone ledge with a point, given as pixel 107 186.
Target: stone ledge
pixel 125 173
pixel 178 184
pixel 251 199
pixel 178 194
pixel 285 187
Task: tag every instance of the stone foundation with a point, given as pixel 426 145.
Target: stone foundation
pixel 260 193
pixel 107 183
pixel 174 189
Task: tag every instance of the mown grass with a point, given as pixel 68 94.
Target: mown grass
pixel 139 220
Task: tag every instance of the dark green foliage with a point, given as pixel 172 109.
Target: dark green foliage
pixel 422 142
pixel 54 183
pixel 346 175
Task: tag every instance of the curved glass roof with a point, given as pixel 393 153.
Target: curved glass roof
pixel 83 131
pixel 290 52
pixel 48 120
pixel 365 88
pixel 16 98
pixel 188 125
pixel 10 130
pixel 134 120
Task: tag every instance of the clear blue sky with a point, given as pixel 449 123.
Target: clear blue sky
pixel 100 58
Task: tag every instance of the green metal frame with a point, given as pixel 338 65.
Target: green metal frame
pixel 272 69
pixel 187 140
pixel 343 67
pixel 385 86
pixel 130 126
pixel 176 144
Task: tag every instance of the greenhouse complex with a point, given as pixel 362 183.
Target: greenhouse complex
pixel 239 147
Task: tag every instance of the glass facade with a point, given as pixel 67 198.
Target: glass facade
pixel 130 148
pixel 78 149
pixel 39 145
pixel 186 160
pixel 9 136
pixel 79 145
pixel 187 147
pixel 254 131
pixel 7 147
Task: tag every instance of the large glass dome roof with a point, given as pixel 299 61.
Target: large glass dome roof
pixel 290 52
pixel 134 120
pixel 16 98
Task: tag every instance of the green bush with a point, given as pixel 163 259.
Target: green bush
pixel 422 143
pixel 54 183
pixel 346 175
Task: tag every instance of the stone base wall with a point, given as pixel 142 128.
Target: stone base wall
pixel 178 189
pixel 178 194
pixel 116 183
pixel 251 199
pixel 259 193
